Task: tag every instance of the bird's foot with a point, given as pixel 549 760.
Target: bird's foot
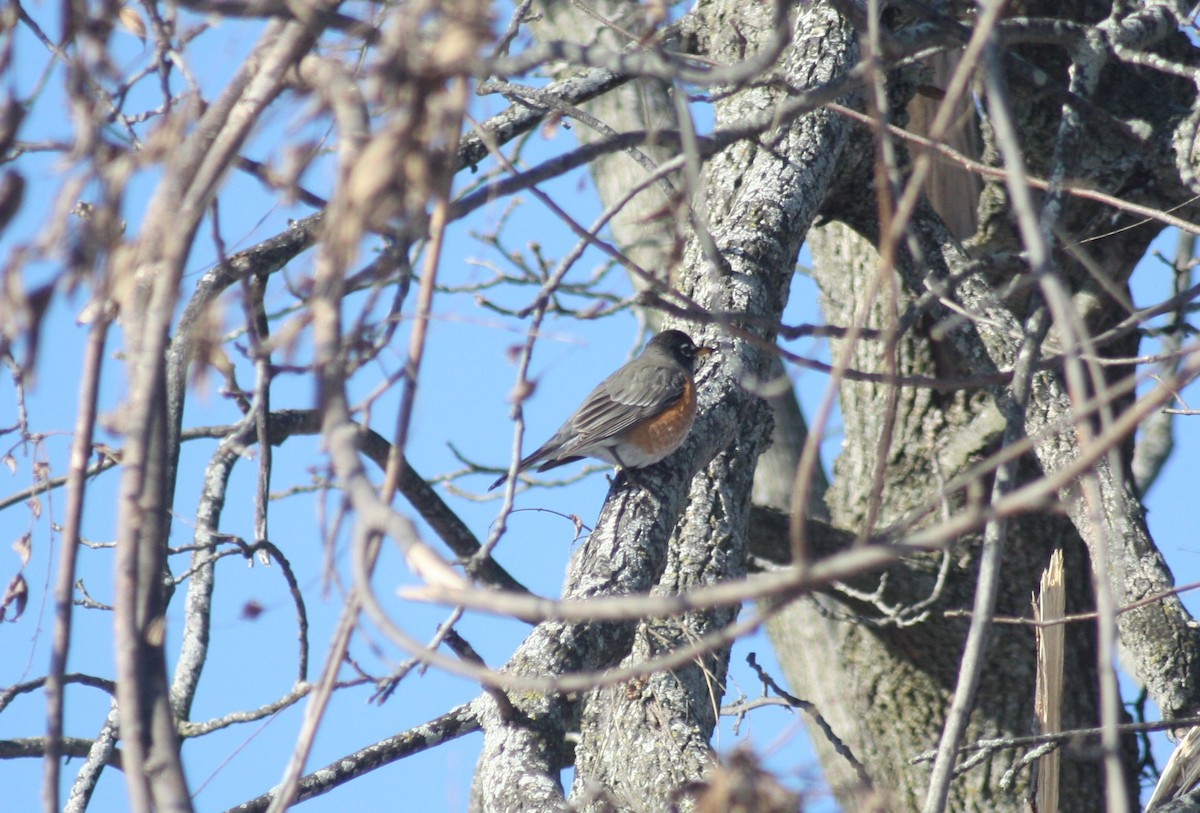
pixel 627 475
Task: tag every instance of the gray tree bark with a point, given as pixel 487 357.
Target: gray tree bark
pixel 760 203
pixel 885 689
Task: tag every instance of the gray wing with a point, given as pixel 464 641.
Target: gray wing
pixel 623 400
pixel 616 404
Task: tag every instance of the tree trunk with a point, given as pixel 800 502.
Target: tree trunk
pixel 881 666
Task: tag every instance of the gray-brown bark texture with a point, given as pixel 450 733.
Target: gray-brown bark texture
pixel 759 202
pixel 883 679
pixel 886 688
pixel 641 742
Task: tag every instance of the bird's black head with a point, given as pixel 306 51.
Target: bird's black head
pixel 679 346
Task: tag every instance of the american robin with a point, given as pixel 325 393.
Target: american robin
pixel 636 416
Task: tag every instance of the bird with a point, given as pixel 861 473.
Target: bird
pixel 636 416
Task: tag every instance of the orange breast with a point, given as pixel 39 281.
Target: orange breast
pixel 656 438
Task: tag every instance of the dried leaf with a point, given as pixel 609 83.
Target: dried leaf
pixel 16 596
pixel 931 92
pixel 521 390
pixel 12 192
pixel 739 784
pixel 208 353
pixel 455 46
pixel 131 21
pixel 24 548
pixel 11 114
pixel 251 610
pixel 371 192
pixel 37 302
pixel 551 124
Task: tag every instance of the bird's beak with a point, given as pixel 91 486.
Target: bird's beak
pixel 703 351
